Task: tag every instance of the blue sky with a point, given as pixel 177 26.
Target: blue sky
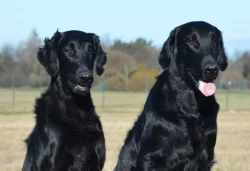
pixel 126 20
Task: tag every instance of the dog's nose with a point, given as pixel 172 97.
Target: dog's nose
pixel 86 78
pixel 211 70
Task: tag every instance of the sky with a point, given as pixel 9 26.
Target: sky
pixel 125 20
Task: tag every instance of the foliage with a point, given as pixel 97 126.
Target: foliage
pixel 130 65
pixel 141 78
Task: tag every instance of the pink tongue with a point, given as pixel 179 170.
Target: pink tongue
pixel 207 89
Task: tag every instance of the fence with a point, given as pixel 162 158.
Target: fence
pixel 231 95
pixel 233 84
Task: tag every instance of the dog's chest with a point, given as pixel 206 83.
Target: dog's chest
pixel 63 151
pixel 193 145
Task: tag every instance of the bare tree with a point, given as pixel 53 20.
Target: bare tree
pixel 7 64
pixel 120 67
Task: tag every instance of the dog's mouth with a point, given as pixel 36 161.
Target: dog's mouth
pixel 206 87
pixel 82 88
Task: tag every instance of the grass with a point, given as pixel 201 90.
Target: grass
pixel 232 148
pixel 114 102
pixel 121 109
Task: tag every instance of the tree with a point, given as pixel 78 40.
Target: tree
pixel 238 69
pixel 29 71
pixel 246 71
pixel 7 62
pixel 246 65
pixel 141 42
pixel 120 67
pixel 7 65
pixel 142 50
pixel 138 79
pixel 34 34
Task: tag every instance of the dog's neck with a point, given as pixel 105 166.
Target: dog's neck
pixel 83 102
pixel 65 108
pixel 173 92
pixel 174 100
pixel 203 103
pixel 177 94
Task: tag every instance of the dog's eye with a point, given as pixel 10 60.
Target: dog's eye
pixel 69 51
pixel 191 42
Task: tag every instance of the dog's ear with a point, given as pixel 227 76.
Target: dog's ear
pixel 167 51
pixel 101 56
pixel 47 55
pixel 222 58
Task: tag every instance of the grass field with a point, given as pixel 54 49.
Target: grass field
pixel 121 102
pixel 121 109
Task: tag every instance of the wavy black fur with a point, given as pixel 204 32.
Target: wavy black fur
pixel 177 128
pixel 68 134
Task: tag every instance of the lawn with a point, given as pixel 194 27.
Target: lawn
pixel 113 102
pixel 120 110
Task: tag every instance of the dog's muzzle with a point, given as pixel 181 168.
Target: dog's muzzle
pixel 210 72
pixel 84 82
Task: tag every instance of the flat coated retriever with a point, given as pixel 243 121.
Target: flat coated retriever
pixel 68 134
pixel 177 128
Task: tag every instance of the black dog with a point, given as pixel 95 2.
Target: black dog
pixel 177 128
pixel 68 134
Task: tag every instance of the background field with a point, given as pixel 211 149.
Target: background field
pixel 119 112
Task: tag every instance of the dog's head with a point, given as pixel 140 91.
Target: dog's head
pixel 197 49
pixel 73 55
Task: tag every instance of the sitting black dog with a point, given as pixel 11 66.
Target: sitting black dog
pixel 177 128
pixel 68 134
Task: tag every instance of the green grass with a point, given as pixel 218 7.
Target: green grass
pixel 121 102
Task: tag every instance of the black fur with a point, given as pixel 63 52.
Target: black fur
pixel 68 134
pixel 177 128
